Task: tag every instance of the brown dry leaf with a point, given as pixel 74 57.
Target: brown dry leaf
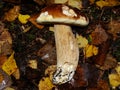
pixel 5 43
pixel 3 58
pixel 32 19
pixel 80 79
pixel 85 75
pixel 99 35
pixel 99 59
pixel 109 63
pixel 114 28
pixel 12 14
pixel 48 53
pixel 2 27
pixel 101 85
pixel 103 3
pixel 5 36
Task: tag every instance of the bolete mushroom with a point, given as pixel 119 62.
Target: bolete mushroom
pixel 66 45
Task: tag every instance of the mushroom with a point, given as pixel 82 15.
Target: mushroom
pixel 66 45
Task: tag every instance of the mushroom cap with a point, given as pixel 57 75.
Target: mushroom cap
pixel 63 14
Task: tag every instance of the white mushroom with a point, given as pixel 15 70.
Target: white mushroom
pixel 66 45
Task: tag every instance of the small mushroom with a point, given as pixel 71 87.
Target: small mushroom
pixel 66 45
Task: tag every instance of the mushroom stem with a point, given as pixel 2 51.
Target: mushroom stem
pixel 67 54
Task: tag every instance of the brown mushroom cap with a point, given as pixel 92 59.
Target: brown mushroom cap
pixel 59 13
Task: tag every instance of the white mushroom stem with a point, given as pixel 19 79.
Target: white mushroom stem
pixel 67 54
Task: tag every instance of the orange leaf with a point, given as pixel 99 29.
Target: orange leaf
pixel 33 21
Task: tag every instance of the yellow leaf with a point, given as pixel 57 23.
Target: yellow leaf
pixel 114 80
pixel 118 69
pixel 90 50
pixel 95 50
pixel 23 18
pixel 45 84
pixel 33 63
pixel 102 3
pixel 82 41
pixel 9 88
pixel 10 65
pixel 75 3
pixel 60 1
pixel 16 74
pixel 51 29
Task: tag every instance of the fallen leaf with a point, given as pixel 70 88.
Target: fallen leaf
pixel 117 68
pixel 50 70
pixel 99 35
pixel 5 43
pixel 103 3
pixel 3 59
pixel 5 36
pixel 114 80
pixel 33 64
pixel 114 76
pixel 85 75
pixel 101 85
pixel 75 3
pixel 82 41
pixel 90 50
pixel 2 27
pixel 16 74
pixel 23 18
pixel 80 79
pixel 10 65
pixel 51 29
pixel 110 62
pixel 114 28
pixel 45 84
pixel 1 77
pixel 12 14
pixel 99 59
pixel 9 88
pixel 48 53
pixel 32 19
pixel 60 1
